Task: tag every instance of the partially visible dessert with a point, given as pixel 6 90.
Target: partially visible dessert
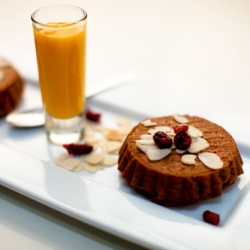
pixel 179 160
pixel 11 87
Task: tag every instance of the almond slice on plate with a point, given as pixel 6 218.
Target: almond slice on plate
pixel 114 135
pixel 123 121
pixel 69 163
pixel 61 158
pixel 125 130
pixel 91 168
pixel 111 146
pixel 108 160
pixel 91 139
pixel 78 168
pixel 94 158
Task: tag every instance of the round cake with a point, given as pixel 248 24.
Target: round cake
pixel 174 175
pixel 11 87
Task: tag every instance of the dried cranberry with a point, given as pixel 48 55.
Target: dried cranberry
pixel 93 116
pixel 162 140
pixel 181 127
pixel 211 217
pixel 182 140
pixel 78 149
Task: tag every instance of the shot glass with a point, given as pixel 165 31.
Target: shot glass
pixel 60 42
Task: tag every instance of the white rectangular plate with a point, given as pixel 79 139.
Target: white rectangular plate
pixel 104 199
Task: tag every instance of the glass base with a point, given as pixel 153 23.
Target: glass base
pixel 64 131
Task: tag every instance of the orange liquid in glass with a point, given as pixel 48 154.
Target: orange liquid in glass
pixel 61 56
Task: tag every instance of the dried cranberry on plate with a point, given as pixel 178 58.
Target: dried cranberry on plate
pixel 93 116
pixel 211 217
pixel 78 149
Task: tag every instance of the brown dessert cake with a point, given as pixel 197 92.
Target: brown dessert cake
pixel 174 175
pixel 11 87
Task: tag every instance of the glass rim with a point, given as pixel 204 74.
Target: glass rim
pixel 61 5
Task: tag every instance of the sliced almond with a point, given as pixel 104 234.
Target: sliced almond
pixel 69 163
pixel 145 142
pixel 91 139
pixel 146 137
pixel 114 135
pixel 165 129
pixel 108 160
pixel 111 146
pixel 125 130
pixel 152 131
pixel 78 168
pixel 89 131
pixel 211 160
pixel 188 159
pixel 194 132
pixel 144 148
pixel 61 157
pixel 94 158
pixel 181 119
pixel 157 154
pixel 122 121
pixel 91 168
pixel 148 123
pixel 179 151
pixel 99 128
pixel 197 145
pixel 171 133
